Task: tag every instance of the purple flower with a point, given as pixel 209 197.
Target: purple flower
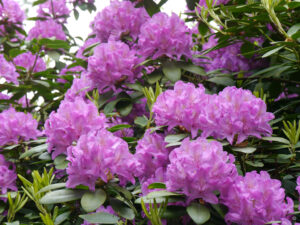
pixel 117 20
pixel 17 126
pixel 55 9
pixel 11 11
pixel 199 168
pixel 256 199
pixel 180 106
pixel 111 63
pixel 71 120
pixel 79 88
pixel 99 155
pixel 151 153
pixel 8 71
pixel 8 176
pixel 46 29
pixel 4 96
pixel 241 114
pixel 30 62
pixel 164 35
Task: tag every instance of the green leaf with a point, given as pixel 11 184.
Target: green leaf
pixel 151 7
pixel 157 185
pixel 294 29
pixel 273 51
pixel 199 213
pixel 255 163
pixel 159 194
pixel 34 150
pixel 175 137
pixel 191 4
pixel 91 201
pixel 15 52
pixel 54 44
pixel 141 121
pixel 173 211
pixel 171 71
pixel 52 187
pixel 277 139
pixel 100 217
pixel 124 107
pixel 193 69
pixel 62 217
pixel 60 162
pixel 38 2
pixel 76 14
pixel 118 127
pixel 247 150
pixel 225 81
pixel 12 223
pixel 122 209
pixel 154 77
pixel 61 196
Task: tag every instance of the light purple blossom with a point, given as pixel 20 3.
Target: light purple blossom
pixel 111 63
pixel 55 9
pixel 8 71
pixel 79 88
pixel 8 176
pixel 11 11
pixel 46 29
pixel 199 168
pixel 151 153
pixel 99 155
pixel 242 114
pixel 30 62
pixel 16 126
pixel 71 120
pixel 120 18
pixel 256 199
pixel 164 35
pixel 180 106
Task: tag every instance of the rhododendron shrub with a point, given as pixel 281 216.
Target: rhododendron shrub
pixel 149 117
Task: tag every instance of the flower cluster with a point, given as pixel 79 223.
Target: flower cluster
pixel 10 11
pixel 111 63
pixel 16 126
pixel 151 154
pixel 199 168
pixel 117 20
pixel 228 58
pixel 164 35
pixel 8 71
pixel 30 62
pixel 8 176
pixel 46 29
pixel 71 120
pixel 56 9
pixel 99 154
pixel 256 199
pixel 180 106
pixel 233 113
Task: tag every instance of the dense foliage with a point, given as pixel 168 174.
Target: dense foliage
pixel 155 119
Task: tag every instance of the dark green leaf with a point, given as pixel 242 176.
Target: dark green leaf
pixel 157 185
pixel 91 201
pixel 171 71
pixel 100 217
pixel 122 209
pixel 118 127
pixel 61 196
pixel 199 213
